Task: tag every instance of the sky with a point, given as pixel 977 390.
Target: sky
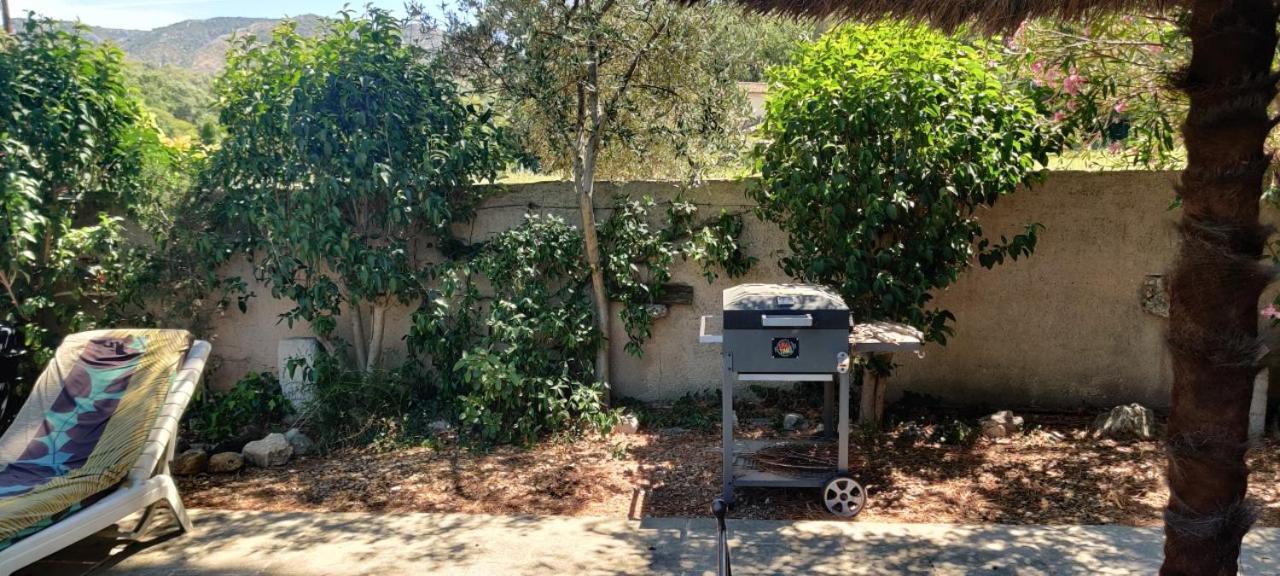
pixel 148 14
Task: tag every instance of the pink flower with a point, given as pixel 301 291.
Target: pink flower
pixel 1072 84
pixel 1059 116
pixel 1115 148
pixel 1121 106
pixel 1156 49
pixel 1270 312
pixel 1016 38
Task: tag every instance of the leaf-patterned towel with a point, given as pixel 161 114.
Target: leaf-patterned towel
pixel 107 388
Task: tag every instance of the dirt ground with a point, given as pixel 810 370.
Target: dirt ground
pixel 1052 474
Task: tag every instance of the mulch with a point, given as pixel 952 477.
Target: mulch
pixel 1052 474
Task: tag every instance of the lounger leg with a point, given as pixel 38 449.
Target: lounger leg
pixel 174 501
pixel 141 527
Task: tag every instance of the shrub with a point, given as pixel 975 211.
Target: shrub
pixel 351 406
pixel 73 147
pixel 253 404
pixel 885 143
pixel 519 365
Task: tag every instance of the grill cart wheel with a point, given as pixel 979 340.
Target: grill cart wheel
pixel 843 496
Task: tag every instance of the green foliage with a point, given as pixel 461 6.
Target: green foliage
pixel 638 258
pixel 519 366
pixel 339 152
pixel 181 100
pixel 885 143
pixel 639 82
pixel 747 43
pixel 693 411
pixel 1106 81
pixel 353 407
pixel 254 403
pixel 75 155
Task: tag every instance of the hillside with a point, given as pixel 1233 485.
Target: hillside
pixel 198 46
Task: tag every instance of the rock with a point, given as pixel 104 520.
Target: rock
pixel 440 427
pixel 1130 421
pixel 627 424
pixel 224 462
pixel 189 462
pixel 301 444
pixel 242 437
pixel 1002 424
pixel 274 450
pixel 657 311
pixel 792 421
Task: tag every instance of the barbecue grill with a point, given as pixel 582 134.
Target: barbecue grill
pixel 794 333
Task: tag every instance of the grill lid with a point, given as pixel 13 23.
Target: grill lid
pixel 782 297
pixel 784 306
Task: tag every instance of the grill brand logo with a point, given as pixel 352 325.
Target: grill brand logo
pixel 786 347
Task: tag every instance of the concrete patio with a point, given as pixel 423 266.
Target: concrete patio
pixel 288 544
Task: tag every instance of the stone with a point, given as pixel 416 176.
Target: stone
pixel 1002 424
pixel 440 426
pixel 189 462
pixel 243 436
pixel 225 462
pixel 792 421
pixel 657 311
pixel 1129 421
pixel 1155 296
pixel 274 450
pixel 301 443
pixel 627 424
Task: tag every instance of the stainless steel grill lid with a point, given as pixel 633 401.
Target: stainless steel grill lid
pixel 753 306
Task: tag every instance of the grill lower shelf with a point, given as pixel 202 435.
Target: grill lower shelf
pixel 783 463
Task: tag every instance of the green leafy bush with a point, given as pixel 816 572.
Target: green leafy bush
pixel 341 151
pixel 885 142
pixel 76 152
pixel 253 404
pixel 519 365
pixel 638 255
pixel 354 407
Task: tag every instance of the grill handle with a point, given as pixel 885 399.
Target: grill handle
pixel 705 338
pixel 788 321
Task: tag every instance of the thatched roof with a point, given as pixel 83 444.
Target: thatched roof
pixel 987 14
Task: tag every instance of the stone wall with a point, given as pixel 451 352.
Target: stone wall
pixel 1065 328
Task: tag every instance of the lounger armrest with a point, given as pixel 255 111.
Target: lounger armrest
pixel 160 444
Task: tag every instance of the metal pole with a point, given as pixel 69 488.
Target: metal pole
pixel 842 363
pixel 723 567
pixel 726 426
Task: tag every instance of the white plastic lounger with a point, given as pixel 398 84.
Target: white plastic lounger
pixel 147 486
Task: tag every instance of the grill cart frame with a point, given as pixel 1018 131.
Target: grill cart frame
pixel 808 323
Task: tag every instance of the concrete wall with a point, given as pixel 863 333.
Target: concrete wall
pixel 1061 329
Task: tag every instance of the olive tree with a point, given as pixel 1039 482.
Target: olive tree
pixel 619 87
pixel 885 142
pixel 340 150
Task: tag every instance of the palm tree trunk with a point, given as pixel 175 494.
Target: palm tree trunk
pixel 1216 283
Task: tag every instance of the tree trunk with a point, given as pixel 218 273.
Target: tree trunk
pixel 871 405
pixel 375 338
pixel 584 182
pixel 8 21
pixel 357 334
pixel 1216 283
pixel 586 148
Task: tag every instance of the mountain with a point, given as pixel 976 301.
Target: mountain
pixel 200 46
